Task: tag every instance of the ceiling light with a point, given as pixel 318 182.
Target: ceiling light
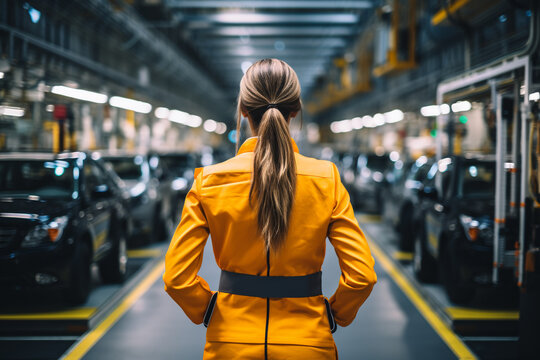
pixel 161 113
pixel 11 111
pixel 130 104
pixel 393 116
pixel 210 125
pixel 357 123
pixel 378 119
pixel 461 106
pixel 79 94
pixel 368 122
pixel 534 96
pixel 1 75
pixel 435 110
pixel 221 128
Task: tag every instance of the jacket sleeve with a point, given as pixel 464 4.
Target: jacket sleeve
pixel 184 257
pixel 357 274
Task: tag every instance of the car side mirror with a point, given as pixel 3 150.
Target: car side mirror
pixel 428 192
pixel 101 191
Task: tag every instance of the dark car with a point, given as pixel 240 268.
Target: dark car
pixel 58 215
pixel 150 204
pixel 454 230
pixel 370 181
pixel 178 167
pixel 406 180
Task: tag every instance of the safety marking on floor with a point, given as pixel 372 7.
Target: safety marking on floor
pixel 71 314
pixel 403 255
pixel 458 313
pixel 368 219
pixel 80 348
pixel 447 335
pixel 144 253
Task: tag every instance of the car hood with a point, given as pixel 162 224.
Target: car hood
pixel 14 208
pixel 477 207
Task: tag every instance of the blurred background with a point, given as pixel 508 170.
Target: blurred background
pixel 429 108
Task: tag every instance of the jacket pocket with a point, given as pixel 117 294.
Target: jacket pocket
pixel 210 310
pixel 331 321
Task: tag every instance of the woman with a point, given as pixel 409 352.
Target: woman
pixel 269 211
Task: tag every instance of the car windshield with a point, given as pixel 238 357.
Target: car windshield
pixel 478 179
pixel 374 162
pixel 48 179
pixel 178 164
pixel 127 168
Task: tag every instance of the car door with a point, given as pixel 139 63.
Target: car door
pixel 99 207
pixel 437 209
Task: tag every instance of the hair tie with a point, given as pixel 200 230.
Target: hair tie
pixel 270 106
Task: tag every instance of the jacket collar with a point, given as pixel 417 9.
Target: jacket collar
pixel 250 143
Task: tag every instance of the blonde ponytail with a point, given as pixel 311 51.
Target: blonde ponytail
pixel 270 93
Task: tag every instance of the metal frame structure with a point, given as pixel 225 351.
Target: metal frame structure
pixel 489 74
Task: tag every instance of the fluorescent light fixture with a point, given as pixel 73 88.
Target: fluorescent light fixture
pixel 461 106
pixel 210 125
pixel 445 109
pixel 393 116
pixel 79 94
pixel 534 96
pixel 161 113
pixel 130 104
pixel 1 75
pixel 11 111
pixel 368 122
pixel 430 110
pixel 260 18
pixel 184 118
pixel 435 110
pixel 357 123
pixel 378 119
pixel 341 126
pixel 221 128
pixel 194 121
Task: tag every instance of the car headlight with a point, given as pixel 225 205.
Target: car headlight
pixel 45 233
pixel 477 229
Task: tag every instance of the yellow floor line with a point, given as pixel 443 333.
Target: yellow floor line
pixel 368 219
pixel 72 314
pixel 447 335
pixel 93 336
pixel 143 253
pixel 402 255
pixel 458 313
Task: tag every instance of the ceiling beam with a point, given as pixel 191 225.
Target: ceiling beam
pixel 292 4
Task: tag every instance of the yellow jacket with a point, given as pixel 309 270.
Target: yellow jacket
pixel 218 204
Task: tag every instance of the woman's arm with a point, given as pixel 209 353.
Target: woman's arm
pixel 357 274
pixel 184 257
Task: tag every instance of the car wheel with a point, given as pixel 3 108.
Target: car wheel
pixel 113 268
pixel 424 265
pixel 80 280
pixel 457 290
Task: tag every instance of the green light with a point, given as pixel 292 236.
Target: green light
pixel 433 133
pixel 463 119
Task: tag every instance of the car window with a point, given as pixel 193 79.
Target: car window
pixel 478 179
pixel 94 177
pixel 128 168
pixel 53 179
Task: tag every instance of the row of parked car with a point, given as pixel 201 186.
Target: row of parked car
pixel 60 213
pixel 442 211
